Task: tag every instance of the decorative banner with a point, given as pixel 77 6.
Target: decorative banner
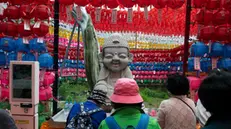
pixel 114 16
pixel 130 15
pixel 197 63
pixel 98 14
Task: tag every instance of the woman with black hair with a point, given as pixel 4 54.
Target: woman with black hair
pixel 213 93
pixel 178 112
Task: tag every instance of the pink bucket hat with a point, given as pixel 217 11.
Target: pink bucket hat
pixel 126 91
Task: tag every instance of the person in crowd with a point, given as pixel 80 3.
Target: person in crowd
pixel 93 106
pixel 213 93
pixel 6 120
pixel 127 103
pixel 178 112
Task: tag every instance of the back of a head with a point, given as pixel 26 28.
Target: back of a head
pixel 215 92
pixel 177 84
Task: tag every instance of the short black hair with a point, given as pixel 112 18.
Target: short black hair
pixel 215 92
pixel 177 84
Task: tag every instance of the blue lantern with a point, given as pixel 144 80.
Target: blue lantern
pixel 11 57
pixel 21 47
pixel 227 51
pixel 28 57
pixel 217 49
pixel 2 59
pixel 198 49
pixel 45 60
pixel 7 44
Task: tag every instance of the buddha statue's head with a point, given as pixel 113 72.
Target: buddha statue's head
pixel 115 53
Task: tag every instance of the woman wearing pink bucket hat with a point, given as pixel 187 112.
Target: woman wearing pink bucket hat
pixel 127 103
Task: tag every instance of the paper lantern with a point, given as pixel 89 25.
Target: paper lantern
pixel 222 33
pixel 81 2
pixel 213 4
pixel 29 57
pixel 42 12
pixel 207 33
pixel 112 3
pixel 159 4
pixel 45 60
pixel 227 4
pixel 21 47
pixel 21 2
pixel 26 11
pixel 227 51
pixel 97 3
pixel 144 3
pixel 2 59
pixel 66 2
pixel 198 49
pixel 199 3
pixel 42 30
pixel 204 17
pixel 42 2
pixel 3 27
pixel 127 3
pixel 22 31
pixel 11 29
pixel 221 17
pixel 12 12
pixel 11 57
pixel 7 44
pixel 200 16
pixel 175 4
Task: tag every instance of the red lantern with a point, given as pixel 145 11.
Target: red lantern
pixel 208 17
pixel 42 30
pixel 26 11
pixel 42 12
pixel 222 33
pixel 221 17
pixel 143 3
pixel 42 2
pixel 66 2
pixel 12 12
pixel 200 16
pixel 81 2
pixel 97 3
pixel 11 29
pixel 159 4
pixel 112 3
pixel 21 2
pixel 199 3
pixel 3 27
pixel 23 32
pixel 127 3
pixel 227 4
pixel 175 4
pixel 207 33
pixel 213 4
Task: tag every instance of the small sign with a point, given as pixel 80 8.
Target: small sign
pixel 40 40
pixel 25 40
pixel 146 13
pixel 98 14
pixel 37 24
pixel 114 16
pixel 130 15
pixel 26 25
pixel 197 63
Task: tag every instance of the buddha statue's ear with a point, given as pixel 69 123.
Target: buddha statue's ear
pixel 130 57
pixel 100 56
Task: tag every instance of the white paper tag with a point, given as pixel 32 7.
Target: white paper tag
pixel 114 16
pixel 130 16
pixel 146 13
pixel 37 24
pixel 25 40
pixel 214 63
pixel 79 13
pixel 98 14
pixel 26 25
pixel 1 10
pixel 40 40
pixel 197 65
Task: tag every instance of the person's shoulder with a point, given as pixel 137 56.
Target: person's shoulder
pixel 103 125
pixel 153 123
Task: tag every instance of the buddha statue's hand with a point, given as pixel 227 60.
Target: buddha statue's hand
pixel 85 17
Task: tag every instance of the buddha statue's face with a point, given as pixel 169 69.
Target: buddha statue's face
pixel 116 59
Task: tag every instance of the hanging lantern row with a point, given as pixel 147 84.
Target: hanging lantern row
pixel 26 2
pixel 212 4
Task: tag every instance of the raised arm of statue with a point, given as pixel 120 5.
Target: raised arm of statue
pixel 91 46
